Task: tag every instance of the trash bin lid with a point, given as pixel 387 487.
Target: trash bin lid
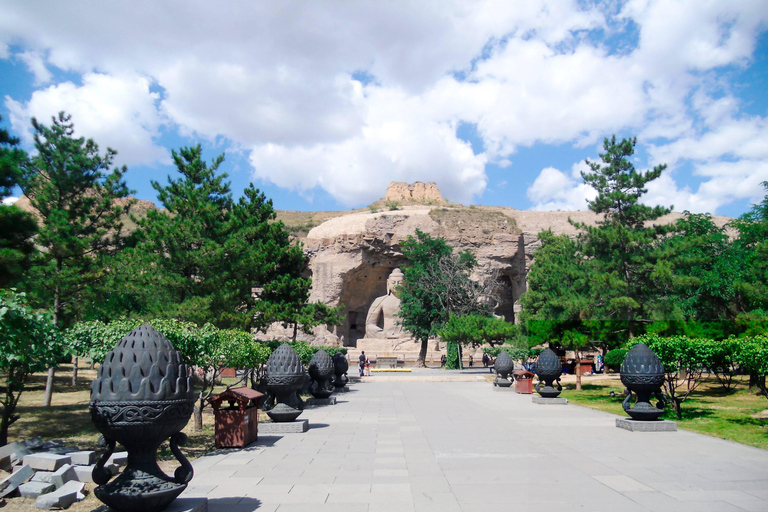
pixel 242 394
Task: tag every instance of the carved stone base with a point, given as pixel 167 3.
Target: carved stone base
pixel 290 427
pixel 321 401
pixel 502 383
pixel 549 401
pixel 646 426
pixel 345 389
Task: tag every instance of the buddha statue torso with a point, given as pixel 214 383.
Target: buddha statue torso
pixel 381 321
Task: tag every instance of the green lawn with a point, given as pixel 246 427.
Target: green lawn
pixel 710 410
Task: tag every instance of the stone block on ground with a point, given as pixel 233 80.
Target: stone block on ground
pixel 646 426
pixel 286 427
pixel 84 473
pixel 64 474
pixel 46 461
pixel 113 468
pixel 62 497
pixel 12 453
pixel 32 490
pixel 83 458
pixel 549 401
pixel 12 483
pixel 119 458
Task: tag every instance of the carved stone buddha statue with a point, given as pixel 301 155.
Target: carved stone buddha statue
pixel 381 321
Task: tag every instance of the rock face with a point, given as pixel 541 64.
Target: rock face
pixel 425 193
pixel 351 256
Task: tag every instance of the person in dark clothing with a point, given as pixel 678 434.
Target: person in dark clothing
pixel 361 360
pixel 486 360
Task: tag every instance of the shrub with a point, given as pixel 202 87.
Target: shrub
pixel 615 357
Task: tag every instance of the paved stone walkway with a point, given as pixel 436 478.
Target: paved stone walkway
pixel 465 446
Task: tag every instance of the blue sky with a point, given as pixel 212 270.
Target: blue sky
pixel 322 104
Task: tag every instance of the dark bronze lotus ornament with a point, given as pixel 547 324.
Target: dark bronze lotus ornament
pixel 549 370
pixel 643 374
pixel 142 396
pixel 285 377
pixel 321 373
pixel 340 368
pixel 504 365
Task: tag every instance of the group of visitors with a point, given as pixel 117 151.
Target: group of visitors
pixel 365 365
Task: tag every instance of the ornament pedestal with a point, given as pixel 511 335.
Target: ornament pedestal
pixel 646 426
pixel 314 402
pixel 549 401
pixel 284 427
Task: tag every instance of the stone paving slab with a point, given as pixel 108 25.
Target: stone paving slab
pixel 459 446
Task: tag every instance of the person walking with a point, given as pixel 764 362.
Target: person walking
pixel 486 360
pixel 470 360
pixel 367 367
pixel 361 361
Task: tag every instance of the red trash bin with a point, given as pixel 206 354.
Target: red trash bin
pixel 523 382
pixel 237 424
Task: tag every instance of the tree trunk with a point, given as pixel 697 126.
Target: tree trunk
pixel 52 370
pixel 49 387
pixel 74 370
pixel 421 361
pixel 578 371
pixel 198 415
pixel 295 330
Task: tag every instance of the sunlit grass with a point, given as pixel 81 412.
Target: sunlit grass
pixel 710 410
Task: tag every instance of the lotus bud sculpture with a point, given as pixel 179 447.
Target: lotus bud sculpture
pixel 642 373
pixel 549 370
pixel 142 396
pixel 504 365
pixel 321 373
pixel 340 368
pixel 285 376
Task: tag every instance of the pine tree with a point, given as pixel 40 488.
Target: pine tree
pixel 75 199
pixel 17 228
pixel 622 245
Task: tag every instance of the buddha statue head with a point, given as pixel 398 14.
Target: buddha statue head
pixel 394 280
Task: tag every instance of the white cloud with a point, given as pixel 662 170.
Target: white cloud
pixel 35 61
pixel 276 79
pixel 115 112
pixel 555 190
pixel 9 200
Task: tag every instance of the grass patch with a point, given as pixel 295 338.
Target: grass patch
pixel 710 410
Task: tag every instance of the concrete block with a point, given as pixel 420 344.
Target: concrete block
pixel 114 468
pixel 549 401
pixel 83 458
pixel 188 505
pixel 12 483
pixel 119 458
pixel 345 389
pixel 12 453
pixel 62 497
pixel 646 426
pixel 64 474
pixel 288 427
pixel 84 473
pixel 46 461
pixel 32 490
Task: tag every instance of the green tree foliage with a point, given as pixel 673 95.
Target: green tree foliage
pixel 694 275
pixel 559 293
pixel 751 249
pixel 421 313
pixel 436 284
pixel 220 261
pixel 753 357
pixel 475 330
pixel 30 343
pixel 75 199
pixel 621 246
pixel 17 228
